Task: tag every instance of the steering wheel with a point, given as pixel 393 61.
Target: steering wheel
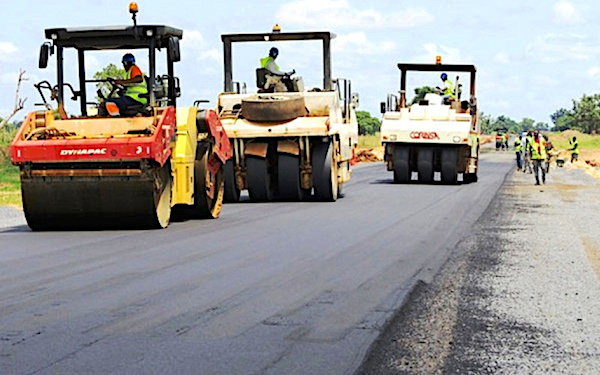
pixel 114 87
pixel 290 74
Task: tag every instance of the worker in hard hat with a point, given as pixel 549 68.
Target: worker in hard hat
pixel 277 80
pixel 537 149
pixel 447 90
pixel 135 96
pixel 574 149
pixel 519 152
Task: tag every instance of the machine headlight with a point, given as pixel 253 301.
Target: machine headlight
pixel 393 137
pixel 456 139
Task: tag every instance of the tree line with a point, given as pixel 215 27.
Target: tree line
pixel 583 116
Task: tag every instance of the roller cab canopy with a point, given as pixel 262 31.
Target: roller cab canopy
pixel 115 37
pixel 126 38
pixel 324 36
pixel 459 68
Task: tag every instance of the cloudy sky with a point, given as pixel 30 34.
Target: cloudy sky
pixel 532 57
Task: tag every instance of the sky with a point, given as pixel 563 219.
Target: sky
pixel 532 57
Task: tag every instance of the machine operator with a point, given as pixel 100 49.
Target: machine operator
pixel 277 80
pixel 136 90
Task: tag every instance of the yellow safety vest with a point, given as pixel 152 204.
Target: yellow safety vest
pixel 518 145
pixel 264 62
pixel 450 89
pixel 575 147
pixel 136 89
pixel 538 148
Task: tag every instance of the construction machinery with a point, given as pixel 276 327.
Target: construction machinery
pixel 129 169
pixel 435 134
pixel 288 145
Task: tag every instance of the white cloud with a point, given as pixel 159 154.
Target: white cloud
pixel 7 48
pixel 502 58
pixel 553 48
pixel 358 44
pixel 594 72
pixel 212 54
pixel 544 81
pixel 565 13
pixel 7 51
pixel 449 55
pixel 339 14
pixel 192 40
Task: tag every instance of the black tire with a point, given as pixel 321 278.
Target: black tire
pixel 425 164
pixel 288 176
pixel 204 206
pixel 232 193
pixel 449 165
pixel 402 172
pixel 273 108
pixel 259 179
pixel 324 168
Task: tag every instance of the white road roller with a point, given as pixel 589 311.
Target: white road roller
pixel 438 134
pixel 287 145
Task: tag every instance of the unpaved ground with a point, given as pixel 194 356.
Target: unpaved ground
pixel 520 296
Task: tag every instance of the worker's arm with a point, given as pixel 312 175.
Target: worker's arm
pixel 271 68
pixel 136 79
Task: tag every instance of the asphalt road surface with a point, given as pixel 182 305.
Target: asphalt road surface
pixel 274 288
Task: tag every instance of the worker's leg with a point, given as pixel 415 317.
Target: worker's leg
pixel 536 170
pixel 275 83
pixel 519 163
pixel 543 171
pixel 289 85
pixel 102 110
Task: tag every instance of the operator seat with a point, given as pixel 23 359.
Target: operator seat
pixel 261 79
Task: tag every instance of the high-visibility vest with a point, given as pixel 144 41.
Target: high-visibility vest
pixel 264 62
pixel 134 90
pixel 518 145
pixel 450 89
pixel 575 148
pixel 538 148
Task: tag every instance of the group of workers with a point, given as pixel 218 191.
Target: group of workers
pixel 533 152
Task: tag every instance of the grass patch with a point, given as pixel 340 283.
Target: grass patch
pixel 586 141
pixel 10 186
pixel 369 140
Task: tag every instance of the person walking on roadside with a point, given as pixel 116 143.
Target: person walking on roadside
pixel 549 152
pixel 528 139
pixel 574 149
pixel 537 150
pixel 519 152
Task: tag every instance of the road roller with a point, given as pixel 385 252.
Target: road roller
pixel 107 166
pixel 434 138
pixel 293 143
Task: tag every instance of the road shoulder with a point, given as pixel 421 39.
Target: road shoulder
pixel 519 295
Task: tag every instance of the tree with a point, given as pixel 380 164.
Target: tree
pixel 19 103
pixel 586 114
pixel 109 71
pixel 562 119
pixel 366 123
pixel 486 123
pixel 420 93
pixel 505 122
pixel 525 125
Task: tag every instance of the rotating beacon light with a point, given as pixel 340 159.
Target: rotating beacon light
pixel 133 9
pixel 438 60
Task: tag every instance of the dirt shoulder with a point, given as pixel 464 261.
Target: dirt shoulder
pixel 520 295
